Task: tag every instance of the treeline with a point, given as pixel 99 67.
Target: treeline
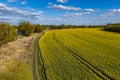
pixel 112 27
pixel 109 27
pixel 73 26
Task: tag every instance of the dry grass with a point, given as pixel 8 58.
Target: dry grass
pixel 14 52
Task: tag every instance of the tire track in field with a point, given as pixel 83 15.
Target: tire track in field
pixel 37 62
pixel 90 41
pixel 101 74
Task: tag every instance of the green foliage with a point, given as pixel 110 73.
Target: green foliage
pixel 113 27
pixel 26 28
pixel 38 28
pixel 19 72
pixel 7 33
pixel 73 26
pixel 81 54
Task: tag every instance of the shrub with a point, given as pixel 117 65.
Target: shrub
pixel 113 27
pixel 7 33
pixel 26 28
pixel 38 28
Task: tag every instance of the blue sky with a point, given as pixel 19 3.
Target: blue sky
pixel 74 12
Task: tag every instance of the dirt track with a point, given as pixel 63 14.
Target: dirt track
pixel 38 69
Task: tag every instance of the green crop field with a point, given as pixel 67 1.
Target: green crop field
pixel 81 54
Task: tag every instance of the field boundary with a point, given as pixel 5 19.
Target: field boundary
pixel 37 62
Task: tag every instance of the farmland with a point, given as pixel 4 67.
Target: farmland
pixel 80 54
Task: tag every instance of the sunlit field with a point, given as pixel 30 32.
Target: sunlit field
pixel 81 54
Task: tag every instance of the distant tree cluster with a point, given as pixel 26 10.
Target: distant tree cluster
pixel 27 29
pixel 73 26
pixel 112 27
pixel 7 33
pixel 38 28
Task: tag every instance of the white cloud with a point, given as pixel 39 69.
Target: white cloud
pixel 12 0
pixel 115 11
pixel 70 15
pixel 23 2
pixel 2 5
pixel 11 12
pixel 49 3
pixel 107 16
pixel 61 7
pixel 110 12
pixel 62 1
pixel 89 10
pixel 78 14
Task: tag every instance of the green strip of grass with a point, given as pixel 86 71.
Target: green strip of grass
pixel 19 72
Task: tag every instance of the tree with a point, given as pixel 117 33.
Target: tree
pixel 7 33
pixel 38 28
pixel 113 27
pixel 26 28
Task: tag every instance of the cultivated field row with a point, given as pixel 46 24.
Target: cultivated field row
pixel 88 54
pixel 94 69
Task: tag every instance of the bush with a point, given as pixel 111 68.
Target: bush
pixel 113 27
pixel 7 33
pixel 26 28
pixel 38 28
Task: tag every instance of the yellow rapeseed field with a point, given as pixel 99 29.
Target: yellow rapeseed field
pixel 81 54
